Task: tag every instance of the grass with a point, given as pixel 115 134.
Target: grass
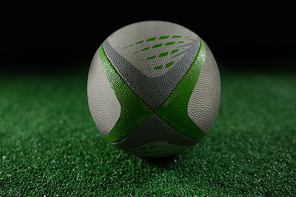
pixel 50 146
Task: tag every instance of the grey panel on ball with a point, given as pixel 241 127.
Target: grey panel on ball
pixel 154 129
pixel 153 90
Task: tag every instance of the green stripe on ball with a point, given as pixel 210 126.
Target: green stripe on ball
pixel 128 100
pixel 174 110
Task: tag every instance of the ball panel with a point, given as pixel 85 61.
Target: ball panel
pixel 154 130
pixel 204 102
pixel 174 110
pixel 103 103
pixel 148 45
pixel 134 111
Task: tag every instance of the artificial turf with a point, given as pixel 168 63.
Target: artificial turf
pixel 50 146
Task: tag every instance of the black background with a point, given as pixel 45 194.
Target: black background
pixel 57 32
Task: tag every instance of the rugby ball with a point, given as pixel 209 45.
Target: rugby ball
pixel 153 88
